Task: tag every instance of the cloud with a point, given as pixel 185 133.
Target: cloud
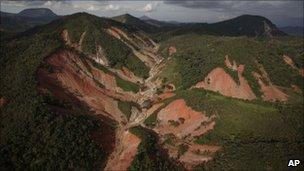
pixel 223 17
pixel 48 3
pixel 151 6
pixel 111 7
pixel 148 8
pixel 287 7
pixel 92 8
pixel 283 12
pixel 202 4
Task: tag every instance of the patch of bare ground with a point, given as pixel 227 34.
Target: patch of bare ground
pixel 197 154
pixel 270 91
pixel 181 125
pixel 172 50
pixel 180 120
pixel 74 77
pixel 165 96
pixel 296 88
pixel 124 153
pixel 220 81
pixel 290 62
pixel 2 102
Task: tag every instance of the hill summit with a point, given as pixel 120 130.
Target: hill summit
pixel 37 13
pixel 250 25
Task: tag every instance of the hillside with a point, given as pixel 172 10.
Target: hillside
pixel 61 101
pixel 245 25
pixel 136 22
pixel 91 93
pixel 156 22
pixel 249 25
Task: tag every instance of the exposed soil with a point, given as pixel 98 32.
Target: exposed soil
pixel 171 50
pixel 290 62
pixel 228 64
pixel 122 157
pixel 74 78
pixel 72 74
pixel 177 111
pixel 270 91
pixel 296 88
pixel 2 102
pixel 220 81
pixel 164 96
pixel 302 72
pixel 197 154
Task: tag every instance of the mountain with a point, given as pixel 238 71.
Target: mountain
pixel 136 22
pixel 91 93
pixel 156 22
pixel 26 19
pixel 294 31
pixel 144 17
pixel 245 25
pixel 43 13
pixel 250 25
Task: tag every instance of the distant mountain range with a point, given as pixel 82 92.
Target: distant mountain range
pixel 26 19
pixel 249 25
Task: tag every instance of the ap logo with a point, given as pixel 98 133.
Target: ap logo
pixel 293 163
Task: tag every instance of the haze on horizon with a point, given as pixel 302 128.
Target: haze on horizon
pixel 282 13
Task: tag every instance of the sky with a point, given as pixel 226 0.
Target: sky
pixel 280 12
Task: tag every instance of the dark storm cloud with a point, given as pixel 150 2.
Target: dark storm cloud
pixel 285 6
pixel 200 4
pixel 283 12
